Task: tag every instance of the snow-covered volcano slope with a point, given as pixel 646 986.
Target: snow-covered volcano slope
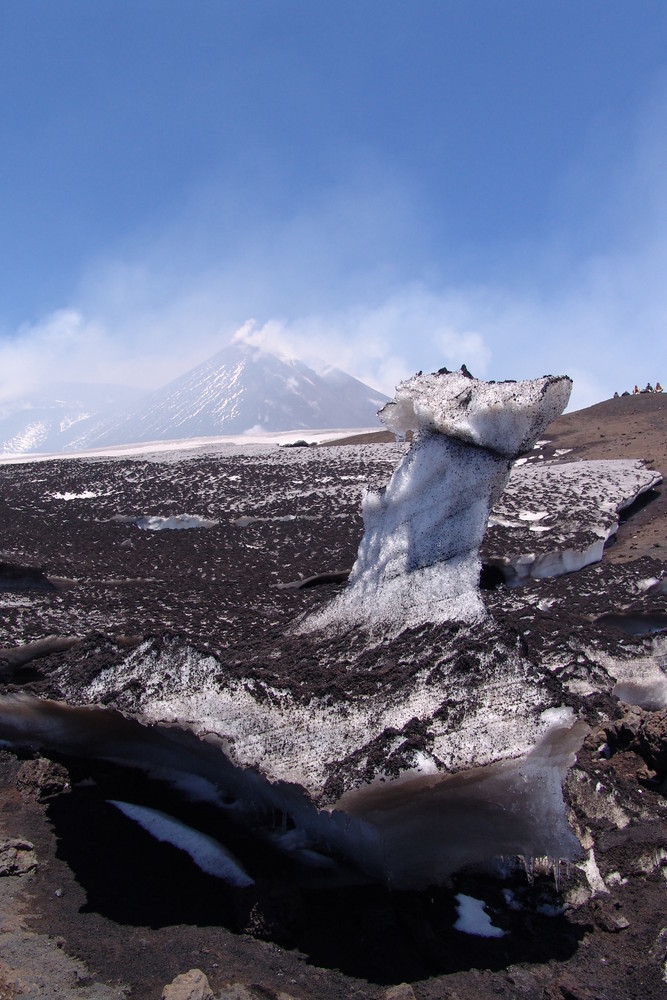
pixel 242 389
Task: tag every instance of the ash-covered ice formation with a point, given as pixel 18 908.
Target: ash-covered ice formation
pixel 419 560
pixel 432 740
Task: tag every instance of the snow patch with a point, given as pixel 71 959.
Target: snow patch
pixel 473 918
pixel 207 853
pixel 504 417
pixel 177 522
pixel 590 869
pixel 84 495
pixel 641 680
pixel 584 501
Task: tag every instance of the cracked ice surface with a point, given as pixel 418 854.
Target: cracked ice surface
pixel 418 560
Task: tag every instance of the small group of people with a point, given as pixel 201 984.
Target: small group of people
pixel 649 388
pixel 637 391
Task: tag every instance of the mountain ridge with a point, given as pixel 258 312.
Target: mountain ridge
pixel 241 389
pixel 60 414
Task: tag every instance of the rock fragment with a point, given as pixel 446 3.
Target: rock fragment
pixel 652 740
pixel 17 856
pixel 192 985
pixel 608 916
pixel 643 732
pixel 42 779
pixel 401 992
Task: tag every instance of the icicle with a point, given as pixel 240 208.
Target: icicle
pixel 529 868
pixel 556 874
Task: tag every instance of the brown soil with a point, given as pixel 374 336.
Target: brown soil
pixel 626 427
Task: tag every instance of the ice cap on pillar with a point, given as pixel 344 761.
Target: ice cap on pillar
pixel 504 417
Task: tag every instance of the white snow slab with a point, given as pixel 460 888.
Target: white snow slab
pixel 473 918
pixel 207 853
pixel 641 680
pixel 299 742
pixel 85 495
pixel 197 444
pixel 575 505
pixel 176 522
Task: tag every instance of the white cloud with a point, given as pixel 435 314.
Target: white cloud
pixel 62 342
pixel 382 343
pixel 337 282
pixel 604 326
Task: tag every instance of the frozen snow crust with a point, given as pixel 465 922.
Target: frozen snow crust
pixel 455 702
pixel 419 557
pixel 408 788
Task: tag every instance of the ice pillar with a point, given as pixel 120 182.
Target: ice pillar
pixel 418 560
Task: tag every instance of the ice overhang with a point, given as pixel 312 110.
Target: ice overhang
pixel 505 417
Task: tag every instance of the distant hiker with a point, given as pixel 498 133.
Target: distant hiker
pixel 658 387
pixel 649 388
pixel 636 391
pixel 616 396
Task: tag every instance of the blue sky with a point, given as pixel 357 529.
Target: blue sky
pixel 386 185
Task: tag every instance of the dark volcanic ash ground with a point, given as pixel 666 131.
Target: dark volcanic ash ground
pixel 79 572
